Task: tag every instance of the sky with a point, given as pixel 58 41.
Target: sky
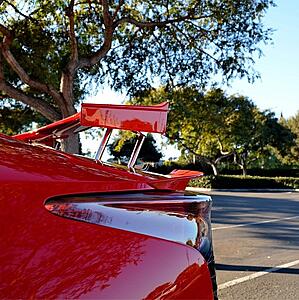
pixel 278 88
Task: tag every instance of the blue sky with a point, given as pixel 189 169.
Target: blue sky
pixel 278 88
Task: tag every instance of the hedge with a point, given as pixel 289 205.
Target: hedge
pixel 245 182
pixel 286 171
pixel 279 172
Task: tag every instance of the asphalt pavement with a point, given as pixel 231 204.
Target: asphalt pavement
pixel 256 244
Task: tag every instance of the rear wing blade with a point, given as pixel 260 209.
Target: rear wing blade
pixel 126 117
pixel 135 118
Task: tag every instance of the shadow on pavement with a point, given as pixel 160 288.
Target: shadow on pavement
pixel 224 267
pixel 235 208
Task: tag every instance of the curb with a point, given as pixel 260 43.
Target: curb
pixel 195 189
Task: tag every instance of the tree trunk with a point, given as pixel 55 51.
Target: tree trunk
pixel 214 168
pixel 244 169
pixel 194 159
pixel 243 164
pixel 71 144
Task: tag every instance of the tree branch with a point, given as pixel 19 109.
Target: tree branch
pixel 74 45
pixel 221 148
pixel 39 105
pixel 151 24
pixel 16 67
pixel 218 159
pixel 67 76
pixel 205 159
pixel 18 11
pixel 121 2
pixel 190 38
pixel 106 13
pixel 4 30
pixel 110 26
pixel 109 29
pixel 242 160
pixel 165 58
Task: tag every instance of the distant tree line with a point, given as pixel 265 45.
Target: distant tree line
pixel 216 129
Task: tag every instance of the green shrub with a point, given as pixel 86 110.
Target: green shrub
pixel 279 172
pixel 242 182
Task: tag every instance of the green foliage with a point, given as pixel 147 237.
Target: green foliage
pixel 282 171
pixel 261 139
pixel 122 148
pixel 16 118
pixel 53 53
pixel 40 46
pixel 292 156
pixel 213 126
pixel 192 115
pixel 248 182
pixel 128 44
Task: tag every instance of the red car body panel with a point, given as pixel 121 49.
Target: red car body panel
pixel 50 257
pixel 43 256
pixel 46 256
pixel 84 171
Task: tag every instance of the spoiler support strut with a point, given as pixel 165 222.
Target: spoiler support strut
pixel 137 148
pixel 103 145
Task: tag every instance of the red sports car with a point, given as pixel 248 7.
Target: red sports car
pixel 73 227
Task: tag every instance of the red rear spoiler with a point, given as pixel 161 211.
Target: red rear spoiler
pixel 126 117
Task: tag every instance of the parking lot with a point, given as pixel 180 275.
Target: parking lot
pixel 256 243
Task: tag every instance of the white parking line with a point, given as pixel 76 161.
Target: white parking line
pixel 257 274
pixel 254 223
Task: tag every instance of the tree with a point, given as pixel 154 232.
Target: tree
pixel 214 126
pixel 292 123
pixel 16 117
pixel 196 122
pixel 52 50
pixel 122 148
pixel 260 135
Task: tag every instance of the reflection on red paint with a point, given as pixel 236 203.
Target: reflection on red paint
pixel 188 285
pixel 32 163
pixel 26 163
pixel 46 256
